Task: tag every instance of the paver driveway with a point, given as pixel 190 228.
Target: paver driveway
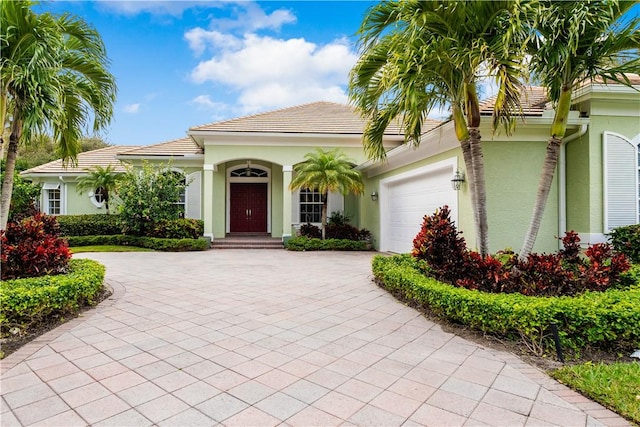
pixel 269 337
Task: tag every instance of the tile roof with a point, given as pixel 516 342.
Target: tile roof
pixel 176 147
pixel 100 157
pixel 532 98
pixel 314 118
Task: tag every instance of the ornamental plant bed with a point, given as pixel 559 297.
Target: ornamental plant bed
pixel 591 322
pixel 32 306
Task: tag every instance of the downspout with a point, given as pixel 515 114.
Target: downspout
pixel 562 178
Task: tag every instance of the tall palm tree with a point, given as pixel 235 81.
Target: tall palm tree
pixel 102 179
pixel 418 55
pixel 53 73
pixel 327 171
pixel 576 42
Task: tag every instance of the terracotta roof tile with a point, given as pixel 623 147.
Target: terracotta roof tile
pixel 532 98
pixel 317 118
pixel 100 157
pixel 176 147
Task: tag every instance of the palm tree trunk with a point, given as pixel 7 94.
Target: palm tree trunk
pixel 544 187
pixel 480 189
pixel 465 145
pixel 10 166
pixel 558 129
pixel 325 199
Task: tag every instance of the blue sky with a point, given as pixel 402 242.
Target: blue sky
pixel 184 63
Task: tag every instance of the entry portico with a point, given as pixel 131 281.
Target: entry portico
pixel 248 166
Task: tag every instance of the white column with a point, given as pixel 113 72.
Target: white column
pixel 207 199
pixel 287 171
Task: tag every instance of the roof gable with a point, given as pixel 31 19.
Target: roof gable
pixel 175 148
pixel 101 157
pixel 314 118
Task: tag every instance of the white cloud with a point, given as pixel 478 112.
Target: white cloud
pixel 271 73
pixel 251 17
pixel 205 102
pixel 131 108
pixel 136 7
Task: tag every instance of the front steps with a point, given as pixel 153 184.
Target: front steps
pixel 247 242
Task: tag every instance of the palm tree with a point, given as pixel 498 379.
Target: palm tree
pixel 54 77
pixel 327 171
pixel 418 55
pixel 100 179
pixel 575 43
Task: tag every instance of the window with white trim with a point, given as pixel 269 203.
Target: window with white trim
pixel 99 195
pixel 52 198
pixel 310 206
pixel 621 180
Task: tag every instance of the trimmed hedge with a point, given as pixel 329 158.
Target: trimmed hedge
pixel 89 225
pixel 312 244
pixel 28 301
pixel 167 245
pixel 627 241
pixel 593 319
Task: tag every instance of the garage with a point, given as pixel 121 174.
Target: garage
pixel 406 198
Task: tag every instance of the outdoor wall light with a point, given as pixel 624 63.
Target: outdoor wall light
pixel 247 171
pixel 374 196
pixel 457 180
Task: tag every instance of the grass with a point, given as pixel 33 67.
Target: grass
pixel 615 385
pixel 108 248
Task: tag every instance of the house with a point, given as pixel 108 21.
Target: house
pixel 239 172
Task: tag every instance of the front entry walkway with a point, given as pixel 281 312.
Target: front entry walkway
pixel 247 338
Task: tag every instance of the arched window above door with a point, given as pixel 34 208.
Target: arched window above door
pixel 248 172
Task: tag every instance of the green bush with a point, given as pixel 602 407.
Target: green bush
pixel 607 319
pixel 182 228
pixel 28 301
pixel 627 241
pixel 89 225
pixel 312 244
pixel 167 245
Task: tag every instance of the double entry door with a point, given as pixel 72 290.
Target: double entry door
pixel 248 208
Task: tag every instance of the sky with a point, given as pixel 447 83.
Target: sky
pixel 180 64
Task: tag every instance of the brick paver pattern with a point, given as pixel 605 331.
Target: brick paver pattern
pixel 257 337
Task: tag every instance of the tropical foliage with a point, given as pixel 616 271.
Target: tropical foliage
pixel 573 43
pixel 148 195
pixel 54 74
pixel 100 180
pixel 32 247
pixel 417 56
pixel 327 171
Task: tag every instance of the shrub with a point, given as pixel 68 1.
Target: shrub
pixel 149 194
pixel 167 245
pixel 590 320
pixel 314 244
pixel 444 255
pixel 182 228
pixel 32 248
pixel 30 300
pixel 89 225
pixel 311 231
pixel 626 240
pixel 23 197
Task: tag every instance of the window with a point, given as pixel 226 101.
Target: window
pixel 52 198
pixel 99 195
pixel 180 204
pixel 310 206
pixel 622 181
pixel 53 202
pixel 248 172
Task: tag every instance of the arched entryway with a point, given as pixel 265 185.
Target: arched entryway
pixel 248 199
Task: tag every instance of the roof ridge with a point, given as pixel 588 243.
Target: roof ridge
pixel 142 147
pixel 277 110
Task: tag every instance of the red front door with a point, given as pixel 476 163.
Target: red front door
pixel 248 207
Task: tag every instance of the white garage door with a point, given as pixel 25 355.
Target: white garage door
pixel 407 198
